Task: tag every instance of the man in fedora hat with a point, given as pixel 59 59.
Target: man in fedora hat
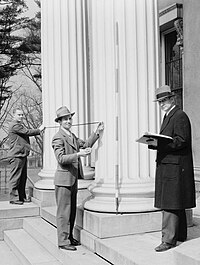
pixel 174 182
pixel 68 149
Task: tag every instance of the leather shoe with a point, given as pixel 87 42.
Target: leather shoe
pixel 17 202
pixel 74 242
pixel 68 247
pixel 164 246
pixel 27 200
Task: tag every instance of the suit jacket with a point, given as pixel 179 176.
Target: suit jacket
pixel 19 139
pixel 174 184
pixel 69 167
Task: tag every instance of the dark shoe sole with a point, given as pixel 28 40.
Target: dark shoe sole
pixel 164 247
pixel 71 248
pixel 16 202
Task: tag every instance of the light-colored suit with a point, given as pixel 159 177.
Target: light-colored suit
pixel 69 169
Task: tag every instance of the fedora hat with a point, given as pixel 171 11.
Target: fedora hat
pixel 61 112
pixel 163 92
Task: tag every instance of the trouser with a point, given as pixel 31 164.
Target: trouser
pixel 174 226
pixel 18 177
pixel 66 198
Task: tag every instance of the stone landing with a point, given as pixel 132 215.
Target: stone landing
pixel 35 234
pixel 126 248
pixel 11 216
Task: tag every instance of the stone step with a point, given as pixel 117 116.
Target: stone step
pixel 7 255
pixel 46 235
pixel 188 253
pixel 9 211
pixel 130 250
pixel 49 214
pixel 138 249
pixel 11 216
pixel 125 249
pixel 28 250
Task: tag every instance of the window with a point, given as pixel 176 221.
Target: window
pixel 173 66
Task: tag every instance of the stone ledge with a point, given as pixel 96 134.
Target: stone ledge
pixel 112 225
pixel 188 253
pixel 8 210
pixel 10 224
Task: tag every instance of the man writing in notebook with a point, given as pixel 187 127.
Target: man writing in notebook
pixel 174 183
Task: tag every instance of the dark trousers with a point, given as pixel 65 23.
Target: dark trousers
pixel 18 177
pixel 66 198
pixel 174 226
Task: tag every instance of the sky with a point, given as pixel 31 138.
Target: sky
pixel 32 8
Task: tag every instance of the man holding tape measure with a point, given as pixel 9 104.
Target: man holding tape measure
pixel 68 149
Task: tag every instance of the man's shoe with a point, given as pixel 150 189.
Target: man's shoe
pixel 74 242
pixel 27 200
pixel 163 247
pixel 17 202
pixel 68 247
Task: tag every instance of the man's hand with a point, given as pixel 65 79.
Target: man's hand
pixel 100 128
pixel 41 128
pixel 84 152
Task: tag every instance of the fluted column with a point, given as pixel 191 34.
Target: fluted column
pixel 63 74
pixel 138 77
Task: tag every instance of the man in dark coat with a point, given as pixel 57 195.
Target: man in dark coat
pixel 68 149
pixel 174 183
pixel 18 152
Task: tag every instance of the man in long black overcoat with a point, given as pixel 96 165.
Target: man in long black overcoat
pixel 174 183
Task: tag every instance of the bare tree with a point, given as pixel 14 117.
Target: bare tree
pixel 11 22
pixel 29 64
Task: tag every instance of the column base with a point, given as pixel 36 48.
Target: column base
pixel 101 225
pixel 46 181
pixel 126 205
pixel 132 198
pixel 111 225
pixel 88 173
pixel 46 197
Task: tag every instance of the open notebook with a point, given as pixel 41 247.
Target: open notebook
pixel 152 138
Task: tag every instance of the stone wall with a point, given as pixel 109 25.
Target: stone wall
pixel 191 33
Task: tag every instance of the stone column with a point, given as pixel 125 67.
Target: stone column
pixel 63 75
pixel 191 76
pixel 138 77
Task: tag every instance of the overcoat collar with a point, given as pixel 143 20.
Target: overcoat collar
pixel 71 140
pixel 167 119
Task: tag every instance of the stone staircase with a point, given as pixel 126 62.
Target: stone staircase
pixel 36 243
pixel 30 237
pixel 31 240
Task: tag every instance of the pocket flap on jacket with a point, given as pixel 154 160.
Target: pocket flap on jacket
pixel 171 160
